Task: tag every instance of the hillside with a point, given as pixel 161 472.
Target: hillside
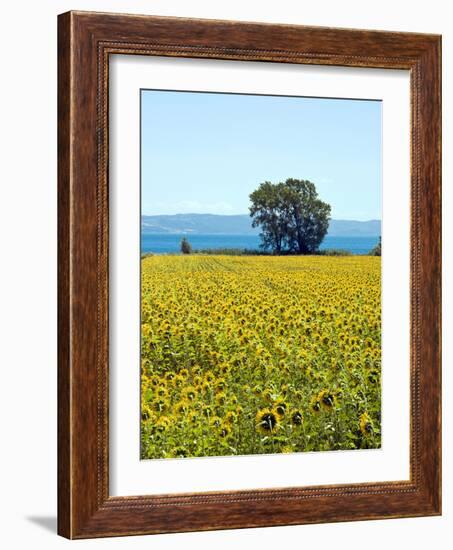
pixel 213 224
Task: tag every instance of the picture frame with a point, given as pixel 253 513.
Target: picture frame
pixel 85 42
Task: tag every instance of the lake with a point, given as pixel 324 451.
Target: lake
pixel 166 243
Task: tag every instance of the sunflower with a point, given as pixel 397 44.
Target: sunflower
pixel 155 380
pixel 266 421
pixel 220 385
pixel 193 417
pixel 160 404
pixel 163 423
pixel 326 399
pixel 296 418
pixel 280 407
pixel 146 412
pixel 298 394
pixel 373 376
pixel 221 398
pixel 196 370
pixel 178 452
pixel 215 422
pixel 206 386
pixel 207 410
pixel 225 430
pixel 315 405
pixel 267 394
pixel 189 393
pixel 161 392
pixel 366 425
pixel 209 377
pixel 285 390
pixel 178 381
pixel 231 417
pixel 181 407
pixel 224 368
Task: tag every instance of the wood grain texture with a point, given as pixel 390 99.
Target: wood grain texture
pixel 85 42
pixel 64 366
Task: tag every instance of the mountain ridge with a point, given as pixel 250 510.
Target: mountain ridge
pixel 240 224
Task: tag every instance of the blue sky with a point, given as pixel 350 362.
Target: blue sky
pixel 205 153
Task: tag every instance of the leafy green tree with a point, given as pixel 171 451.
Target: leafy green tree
pixel 308 216
pixel 291 216
pixel 376 251
pixel 185 246
pixel 267 213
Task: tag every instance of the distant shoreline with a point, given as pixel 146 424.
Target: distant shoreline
pixel 241 225
pixel 169 243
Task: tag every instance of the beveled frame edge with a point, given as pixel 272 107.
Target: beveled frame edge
pixel 85 42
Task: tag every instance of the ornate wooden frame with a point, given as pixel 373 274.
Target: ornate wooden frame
pixel 85 41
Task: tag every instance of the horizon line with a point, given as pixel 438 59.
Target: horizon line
pixel 246 214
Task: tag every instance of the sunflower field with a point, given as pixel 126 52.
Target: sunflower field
pixel 256 354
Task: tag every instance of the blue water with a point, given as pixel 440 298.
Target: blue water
pixel 170 243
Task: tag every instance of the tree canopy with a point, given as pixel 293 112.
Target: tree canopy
pixel 185 246
pixel 291 216
pixel 376 251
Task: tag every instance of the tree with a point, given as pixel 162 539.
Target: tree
pixel 185 246
pixel 376 251
pixel 266 211
pixel 291 216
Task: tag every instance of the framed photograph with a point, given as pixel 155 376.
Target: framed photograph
pixel 249 275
